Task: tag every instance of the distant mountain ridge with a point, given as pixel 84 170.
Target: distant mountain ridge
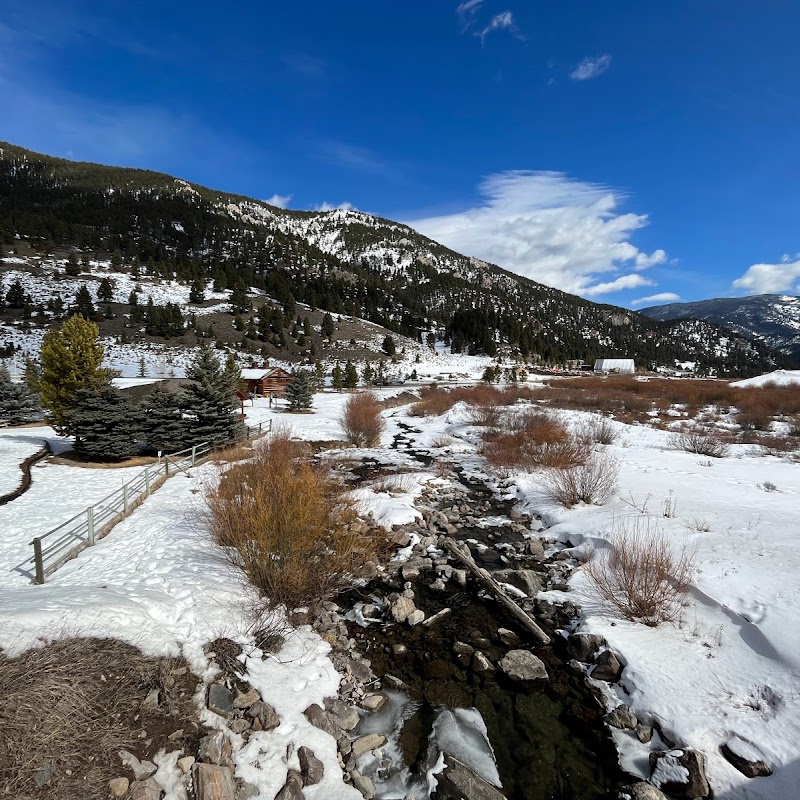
pixel 773 319
pixel 343 261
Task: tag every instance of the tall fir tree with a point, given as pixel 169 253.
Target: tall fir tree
pixel 337 377
pixel 71 360
pixel 165 426
pixel 211 399
pixel 106 424
pixel 84 305
pixel 105 291
pixel 72 267
pixel 350 375
pixel 299 393
pixel 197 291
pixel 17 403
pixel 327 327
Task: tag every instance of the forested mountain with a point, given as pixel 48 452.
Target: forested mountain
pixel 341 261
pixel 773 319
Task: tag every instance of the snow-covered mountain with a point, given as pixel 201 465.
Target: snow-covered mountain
pixel 163 230
pixel 773 319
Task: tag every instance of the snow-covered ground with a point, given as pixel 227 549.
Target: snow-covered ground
pixel 728 669
pixel 781 377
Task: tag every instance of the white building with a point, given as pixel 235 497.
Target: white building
pixel 619 366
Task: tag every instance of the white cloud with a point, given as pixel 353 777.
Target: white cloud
pixel 771 278
pixel 591 68
pixel 279 200
pixel 326 206
pixel 653 299
pixel 551 228
pixel 504 21
pixel 466 13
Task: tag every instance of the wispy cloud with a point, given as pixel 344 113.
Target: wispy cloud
pixel 771 278
pixel 551 228
pixel 591 68
pixel 326 206
pixel 357 158
pixel 466 12
pixel 279 200
pixel 504 21
pixel 653 299
pixel 305 64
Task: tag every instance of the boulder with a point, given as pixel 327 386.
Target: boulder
pixel 535 548
pixel 265 715
pixel 118 787
pixel 526 580
pixel 293 788
pixel 324 720
pixel 508 637
pixel 584 646
pixel 212 782
pixel 373 702
pixel 680 773
pixel 644 733
pixel 481 664
pixel 215 748
pixel 521 665
pixel 186 763
pixel 415 617
pixel 607 667
pixel 622 717
pixel 458 782
pixel 372 741
pixel 219 701
pixel 347 716
pixel 645 791
pixel 145 790
pixel 402 608
pixel 311 768
pixel 364 785
pixel 246 699
pixel 746 758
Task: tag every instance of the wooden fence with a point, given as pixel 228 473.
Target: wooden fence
pixel 59 545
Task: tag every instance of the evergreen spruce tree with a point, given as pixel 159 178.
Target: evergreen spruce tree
pixel 337 377
pixel 106 424
pixel 389 346
pixel 165 426
pixel 83 303
pixel 367 374
pixel 211 399
pixel 32 375
pixel 299 392
pixel 239 299
pixel 350 375
pixel 105 291
pixel 71 360
pixel 318 378
pixel 17 404
pixel 72 267
pixel 328 328
pixel 197 291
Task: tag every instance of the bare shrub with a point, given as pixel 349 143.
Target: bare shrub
pixel 72 704
pixel 698 525
pixel 592 482
pixel 794 427
pixel 441 441
pixel 598 431
pixel 641 578
pixel 399 483
pixel 434 400
pixel 701 440
pixel 486 416
pixel 286 523
pixel 532 438
pixel 362 421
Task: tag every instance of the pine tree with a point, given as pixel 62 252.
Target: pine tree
pixel 327 327
pixel 337 377
pixel 105 424
pixel 83 303
pixel 367 374
pixel 165 427
pixel 17 404
pixel 197 291
pixel 105 291
pixel 350 375
pixel 318 378
pixel 389 346
pixel 299 392
pixel 32 375
pixel 71 360
pixel 211 399
pixel 72 267
pixel 239 299
pixel 142 373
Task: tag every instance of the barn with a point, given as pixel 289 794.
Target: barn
pixel 266 380
pixel 619 366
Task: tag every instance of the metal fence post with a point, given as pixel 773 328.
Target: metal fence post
pixel 90 525
pixel 37 557
pixel 194 453
pixel 166 467
pixel 125 498
pixel 147 480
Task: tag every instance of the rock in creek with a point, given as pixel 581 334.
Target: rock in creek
pixel 311 768
pixel 680 773
pixel 608 667
pixel 372 741
pixel 219 701
pixel 293 788
pixel 584 646
pixel 746 758
pixel 622 718
pixel 402 608
pixel 645 791
pixel 458 781
pixel 526 580
pixel 521 665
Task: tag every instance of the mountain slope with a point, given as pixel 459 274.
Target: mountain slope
pixel 773 319
pixel 342 261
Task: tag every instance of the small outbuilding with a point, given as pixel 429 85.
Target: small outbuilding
pixel 617 366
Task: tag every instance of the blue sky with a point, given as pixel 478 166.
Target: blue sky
pixel 622 150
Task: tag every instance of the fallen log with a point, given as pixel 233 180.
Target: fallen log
pixel 494 588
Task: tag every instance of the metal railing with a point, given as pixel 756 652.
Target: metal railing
pixel 54 548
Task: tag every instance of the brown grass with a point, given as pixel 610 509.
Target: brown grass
pixel 531 438
pixel 434 400
pixel 702 440
pixel 362 421
pixel 641 578
pixel 72 704
pixel 286 523
pixel 593 482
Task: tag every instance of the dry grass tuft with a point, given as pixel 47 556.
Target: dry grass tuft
pixel 434 400
pixel 701 440
pixel 642 578
pixel 592 482
pixel 598 431
pixel 287 524
pixel 362 421
pixel 72 704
